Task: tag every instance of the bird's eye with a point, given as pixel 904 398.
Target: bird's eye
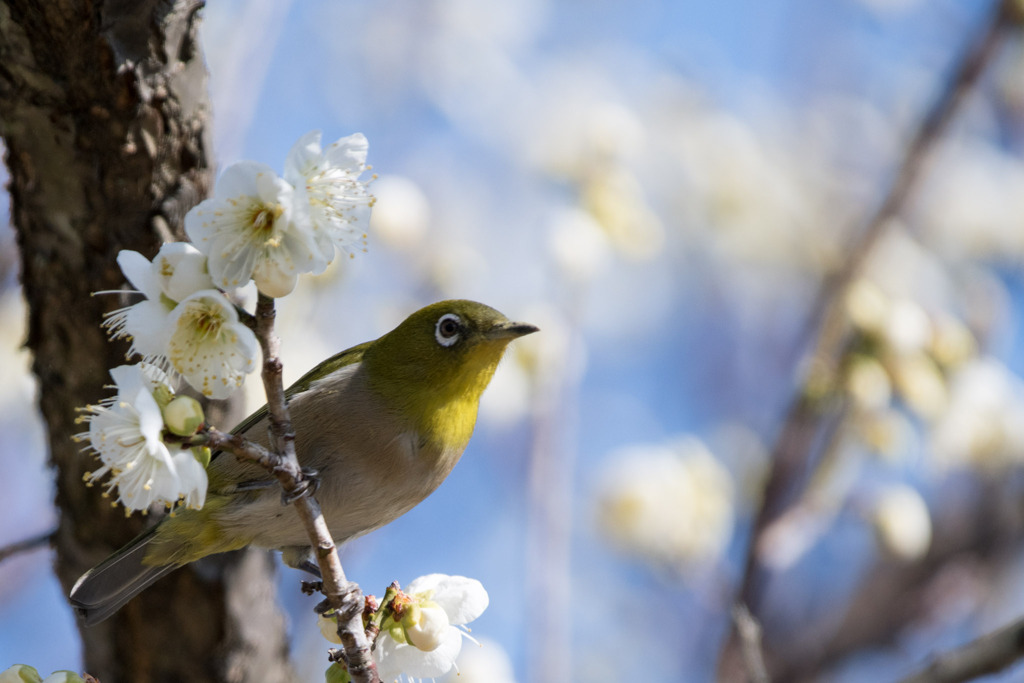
pixel 448 327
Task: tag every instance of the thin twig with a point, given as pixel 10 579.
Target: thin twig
pixel 346 598
pixel 826 326
pixel 988 654
pixel 26 545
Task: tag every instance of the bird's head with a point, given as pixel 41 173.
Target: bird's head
pixel 434 366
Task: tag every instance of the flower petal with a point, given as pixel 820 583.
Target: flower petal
pixel 139 271
pixel 209 347
pixel 182 270
pixel 394 659
pixel 463 599
pixel 303 158
pixel 349 153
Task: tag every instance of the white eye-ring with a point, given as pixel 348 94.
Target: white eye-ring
pixel 448 328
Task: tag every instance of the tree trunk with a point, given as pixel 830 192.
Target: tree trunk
pixel 104 113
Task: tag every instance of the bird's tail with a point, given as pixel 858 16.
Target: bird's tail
pixel 102 590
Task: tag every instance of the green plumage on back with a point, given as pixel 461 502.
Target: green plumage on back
pixel 332 364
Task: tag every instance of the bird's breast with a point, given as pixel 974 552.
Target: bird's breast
pixel 373 464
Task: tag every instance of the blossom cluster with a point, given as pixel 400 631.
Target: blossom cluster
pixel 257 227
pixel 270 229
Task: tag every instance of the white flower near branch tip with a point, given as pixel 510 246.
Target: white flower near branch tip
pixel 126 432
pixel 423 638
pixel 208 344
pixel 254 229
pixel 327 181
pixel 439 605
pixel 177 271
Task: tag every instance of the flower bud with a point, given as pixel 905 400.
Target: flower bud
pixel 63 677
pixel 162 394
pixel 336 673
pixel 20 673
pixel 328 627
pixel 183 416
pixel 202 455
pixel 426 625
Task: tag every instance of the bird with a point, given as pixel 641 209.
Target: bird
pixel 382 424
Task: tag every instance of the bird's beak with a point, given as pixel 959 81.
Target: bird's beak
pixel 510 330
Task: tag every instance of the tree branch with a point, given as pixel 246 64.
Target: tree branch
pixel 988 654
pixel 343 596
pixel 27 544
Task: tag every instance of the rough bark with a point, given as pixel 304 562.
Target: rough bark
pixel 104 114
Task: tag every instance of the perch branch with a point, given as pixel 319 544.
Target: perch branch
pixel 281 461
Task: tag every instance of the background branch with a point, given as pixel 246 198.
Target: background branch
pixel 793 452
pixel 27 544
pixel 987 655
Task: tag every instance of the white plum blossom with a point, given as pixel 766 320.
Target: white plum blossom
pixel 184 323
pixel 440 604
pixel 671 504
pixel 902 522
pixel 423 637
pixel 327 181
pixel 177 271
pixel 126 432
pixel 209 346
pixel 254 229
pixel 983 423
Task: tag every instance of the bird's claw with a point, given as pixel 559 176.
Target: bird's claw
pixel 307 486
pixel 310 567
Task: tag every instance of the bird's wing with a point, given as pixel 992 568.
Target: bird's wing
pixel 332 364
pixel 221 474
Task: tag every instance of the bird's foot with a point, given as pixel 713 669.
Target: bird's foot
pixel 351 591
pixel 310 567
pixel 307 486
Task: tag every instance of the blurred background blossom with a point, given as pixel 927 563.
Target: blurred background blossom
pixel 662 187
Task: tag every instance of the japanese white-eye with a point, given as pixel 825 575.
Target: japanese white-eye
pixel 382 423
